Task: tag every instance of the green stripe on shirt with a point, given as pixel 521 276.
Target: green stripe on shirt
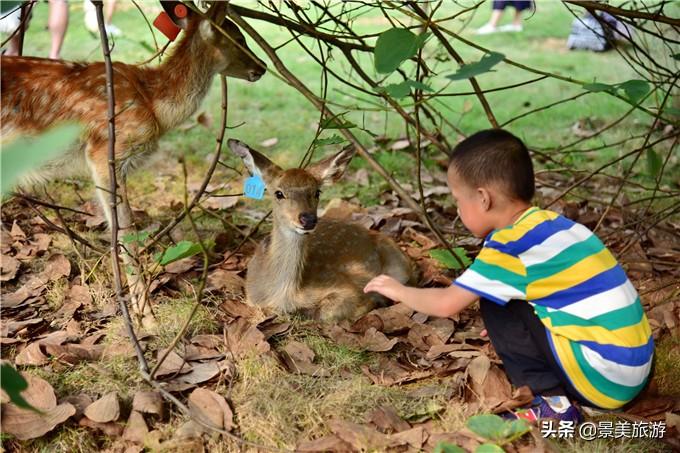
pixel 601 383
pixel 622 317
pixel 565 259
pixel 494 272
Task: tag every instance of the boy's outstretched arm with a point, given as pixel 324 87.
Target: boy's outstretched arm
pixel 441 302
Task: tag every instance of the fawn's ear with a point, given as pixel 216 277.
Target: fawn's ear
pixel 256 163
pixel 332 168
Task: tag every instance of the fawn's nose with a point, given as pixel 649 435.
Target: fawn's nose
pixel 308 220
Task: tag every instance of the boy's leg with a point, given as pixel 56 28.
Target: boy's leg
pixel 520 340
pixel 523 360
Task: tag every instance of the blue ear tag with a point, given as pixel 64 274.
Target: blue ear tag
pixel 254 187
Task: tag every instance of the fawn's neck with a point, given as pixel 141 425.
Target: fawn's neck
pixel 183 80
pixel 286 256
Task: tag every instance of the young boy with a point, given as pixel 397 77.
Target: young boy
pixel 559 310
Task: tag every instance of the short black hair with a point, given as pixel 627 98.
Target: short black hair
pixel 495 156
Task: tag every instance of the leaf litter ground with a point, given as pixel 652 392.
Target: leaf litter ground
pixel 393 380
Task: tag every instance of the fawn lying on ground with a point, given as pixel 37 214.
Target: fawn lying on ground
pixel 36 93
pixel 315 266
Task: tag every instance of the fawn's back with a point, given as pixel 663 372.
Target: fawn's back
pixel 313 265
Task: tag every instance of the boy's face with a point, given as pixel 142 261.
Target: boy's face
pixel 473 208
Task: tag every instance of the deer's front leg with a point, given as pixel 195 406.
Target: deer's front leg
pixel 98 162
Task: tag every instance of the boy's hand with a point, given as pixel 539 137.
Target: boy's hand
pixel 387 286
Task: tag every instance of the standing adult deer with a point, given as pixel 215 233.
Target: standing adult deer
pixel 37 93
pixel 316 266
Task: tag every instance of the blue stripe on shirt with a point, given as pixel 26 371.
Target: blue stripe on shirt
pixel 602 282
pixel 624 355
pixel 535 236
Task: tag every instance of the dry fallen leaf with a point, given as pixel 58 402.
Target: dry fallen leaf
pixel 228 281
pixel 360 437
pixel 244 338
pixel 111 429
pixel 148 403
pixel 172 364
pixel 235 309
pixel 388 421
pixel 135 429
pixel 211 408
pixel 105 409
pixel 389 372
pixel 330 443
pixel 299 357
pixel 26 424
pixel 8 268
pixel 31 355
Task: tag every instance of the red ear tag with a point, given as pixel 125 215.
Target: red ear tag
pixel 181 11
pixel 166 26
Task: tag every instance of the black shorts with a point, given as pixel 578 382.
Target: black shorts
pixel 519 5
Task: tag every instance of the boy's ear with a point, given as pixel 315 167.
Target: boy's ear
pixel 255 162
pixel 333 167
pixel 485 198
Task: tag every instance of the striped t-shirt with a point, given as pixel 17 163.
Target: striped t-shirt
pixel 595 322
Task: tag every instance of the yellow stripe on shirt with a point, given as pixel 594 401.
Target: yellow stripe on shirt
pixel 497 258
pixel 580 272
pixel 629 336
pixel 527 224
pixel 579 380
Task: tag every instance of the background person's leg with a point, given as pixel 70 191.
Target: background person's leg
pixel 57 24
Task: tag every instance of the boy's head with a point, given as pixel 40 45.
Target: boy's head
pixel 490 174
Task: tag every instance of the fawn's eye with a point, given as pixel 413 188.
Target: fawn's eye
pixel 317 194
pixel 279 195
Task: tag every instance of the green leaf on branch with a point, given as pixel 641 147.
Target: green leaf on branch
pixel 183 249
pixel 13 384
pixel 394 46
pixel 596 87
pixel 469 70
pixel 653 162
pixel 635 90
pixel 447 259
pixel 443 447
pixel 334 140
pixel 337 123
pixel 403 89
pixel 25 154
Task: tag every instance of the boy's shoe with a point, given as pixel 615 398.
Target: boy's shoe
pixel 486 30
pixel 511 28
pixel 553 407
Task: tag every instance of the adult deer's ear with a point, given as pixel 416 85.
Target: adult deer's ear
pixel 255 162
pixel 332 168
pixel 178 12
pixel 216 14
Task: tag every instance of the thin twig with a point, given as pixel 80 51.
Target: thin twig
pixel 115 263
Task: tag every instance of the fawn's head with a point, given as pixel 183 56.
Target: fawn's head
pixel 294 192
pixel 228 45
